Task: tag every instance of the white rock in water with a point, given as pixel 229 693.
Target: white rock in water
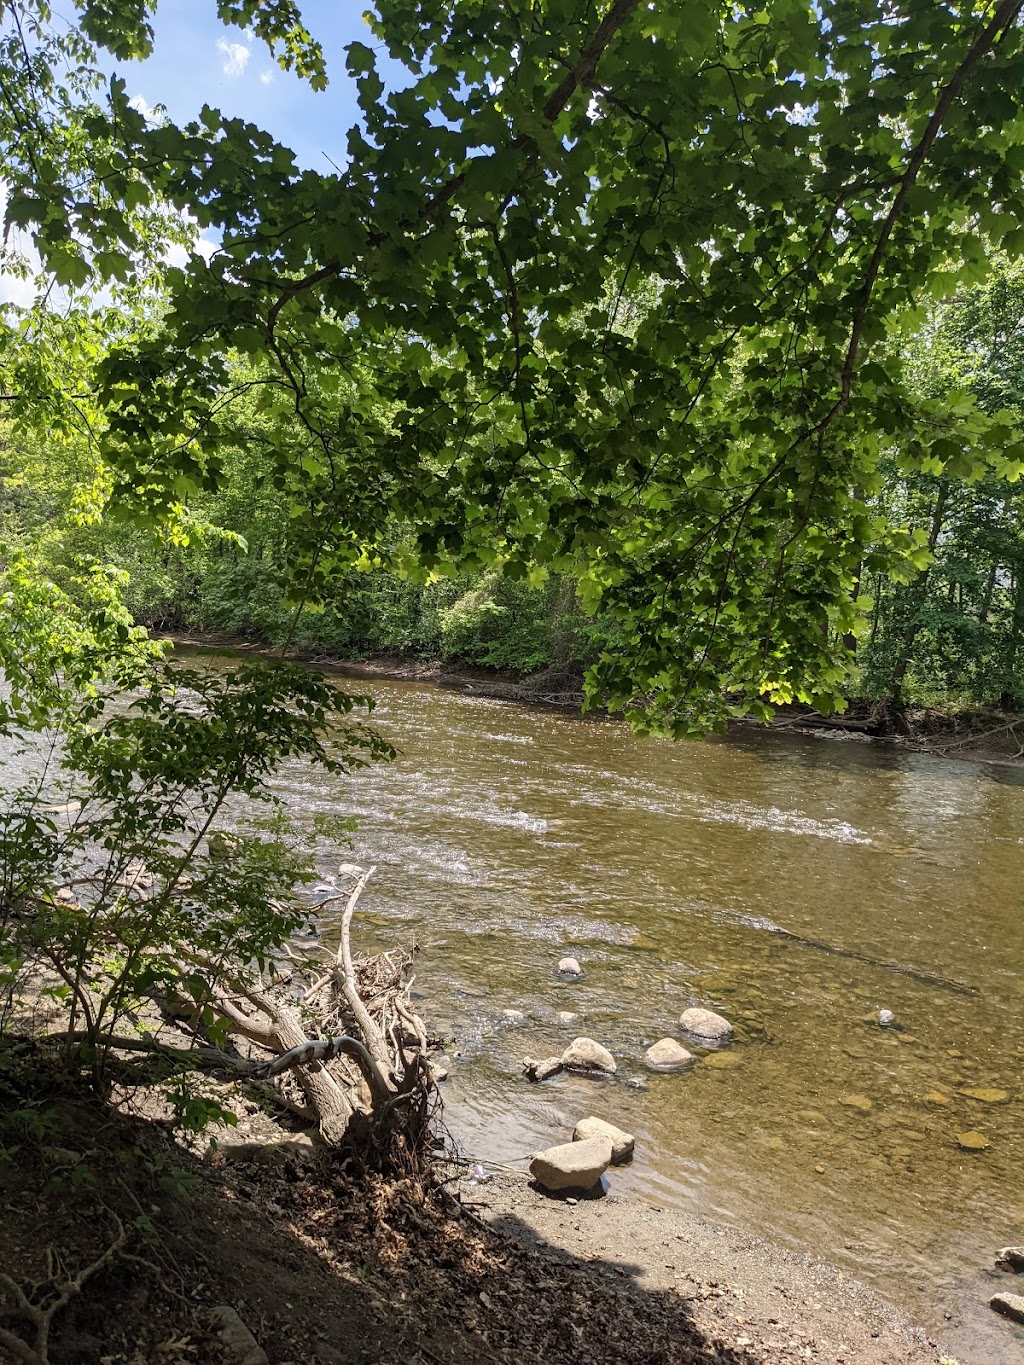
pixel 886 1018
pixel 567 1017
pixel 514 1016
pixel 622 1143
pixel 705 1024
pixel 1010 1305
pixel 540 1071
pixel 666 1052
pixel 583 1054
pixel 573 1165
pixel 570 966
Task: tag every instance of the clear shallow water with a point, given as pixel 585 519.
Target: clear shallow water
pixel 506 837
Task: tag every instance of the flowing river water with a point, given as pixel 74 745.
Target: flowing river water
pixel 796 885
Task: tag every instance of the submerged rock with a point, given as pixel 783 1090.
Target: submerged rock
pixel 666 1053
pixel 622 1143
pixel 972 1141
pixel 572 1165
pixel 221 844
pixel 722 1061
pixel 570 967
pixel 1010 1305
pixel 567 1017
pixel 886 1018
pixel 860 1102
pixel 706 1024
pixel 583 1054
pixel 986 1094
pixel 540 1071
pixel 1010 1258
pixel 515 1017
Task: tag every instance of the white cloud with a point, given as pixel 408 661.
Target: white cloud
pixel 14 289
pixel 22 280
pixel 180 255
pixel 16 258
pixel 266 77
pixel 236 57
pixel 151 113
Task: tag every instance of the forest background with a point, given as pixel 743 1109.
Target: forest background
pixel 945 632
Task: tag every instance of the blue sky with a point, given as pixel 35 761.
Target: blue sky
pixel 197 61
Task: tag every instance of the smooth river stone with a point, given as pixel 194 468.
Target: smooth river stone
pixel 592 1127
pixel 936 1097
pixel 667 1053
pixel 701 1023
pixel 811 1116
pixel 584 1054
pixel 972 1141
pixel 572 1165
pixel 986 1096
pixel 570 967
pixel 860 1102
pixel 722 1061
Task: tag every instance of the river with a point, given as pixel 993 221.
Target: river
pixel 506 837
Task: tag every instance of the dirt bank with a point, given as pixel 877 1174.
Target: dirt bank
pixel 977 734
pixel 324 1262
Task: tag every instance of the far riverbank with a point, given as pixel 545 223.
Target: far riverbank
pixel 977 734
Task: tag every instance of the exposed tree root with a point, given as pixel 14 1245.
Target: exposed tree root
pixel 39 1303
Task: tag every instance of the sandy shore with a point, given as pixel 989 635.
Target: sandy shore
pixel 740 1290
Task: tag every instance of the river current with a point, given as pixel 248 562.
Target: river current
pixel 795 884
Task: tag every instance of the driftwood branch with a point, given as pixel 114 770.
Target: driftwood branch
pixel 372 1050
pixel 349 986
pixel 324 1050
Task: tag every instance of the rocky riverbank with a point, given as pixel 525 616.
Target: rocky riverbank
pixel 261 1247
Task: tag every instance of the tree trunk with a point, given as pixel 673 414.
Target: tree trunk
pixel 917 594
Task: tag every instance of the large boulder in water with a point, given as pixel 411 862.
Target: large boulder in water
pixel 667 1054
pixel 705 1024
pixel 1010 1305
pixel 583 1054
pixel 573 1165
pixel 622 1143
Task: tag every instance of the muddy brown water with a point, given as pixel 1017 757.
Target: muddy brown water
pixel 797 885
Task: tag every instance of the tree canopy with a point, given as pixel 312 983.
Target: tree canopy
pixel 610 288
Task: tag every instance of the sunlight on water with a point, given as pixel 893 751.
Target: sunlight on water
pixel 794 884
